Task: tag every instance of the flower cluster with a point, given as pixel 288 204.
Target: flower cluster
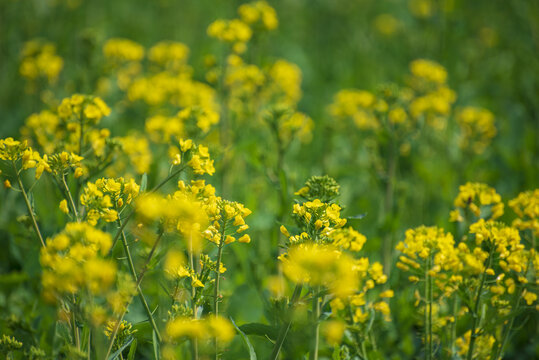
pixel 39 60
pixel 73 261
pixel 83 108
pixel 490 266
pixel 259 12
pixel 321 265
pixel 477 128
pixel 120 50
pixel 526 206
pixel 232 31
pixel 227 222
pixel 323 257
pixel 480 199
pixel 201 329
pixel 14 150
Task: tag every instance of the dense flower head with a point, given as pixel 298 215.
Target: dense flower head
pixel 483 346
pixel 62 162
pixel 123 50
pixel 242 79
pixel 424 243
pixel 429 71
pixel 477 128
pixel 180 212
pixel 435 105
pixel 358 105
pixel 103 198
pixel 200 160
pixel 11 149
pixel 73 260
pixel 14 150
pixel 285 82
pixel 297 125
pixel 477 198
pixel 526 206
pixel 227 222
pixel 201 329
pixel 505 239
pixel 324 188
pixel 321 265
pixel 347 239
pixel 90 108
pixel 169 54
pixel 39 59
pixel 124 332
pixel 318 218
pixel 233 31
pixel 259 12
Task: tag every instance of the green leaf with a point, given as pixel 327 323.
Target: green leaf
pixel 115 354
pixel 132 350
pixel 144 182
pixel 260 330
pixel 252 354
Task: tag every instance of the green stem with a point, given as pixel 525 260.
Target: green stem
pixel 70 198
pixel 283 331
pixel 454 328
pixel 135 278
pixel 428 313
pixel 194 341
pixel 313 354
pixel 76 333
pixel 138 282
pixel 473 334
pixel 89 343
pixel 217 278
pixel 28 205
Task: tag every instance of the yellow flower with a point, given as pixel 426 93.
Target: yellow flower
pixel 63 206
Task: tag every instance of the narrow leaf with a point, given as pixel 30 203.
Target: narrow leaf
pixel 144 182
pixel 117 353
pixel 132 350
pixel 252 354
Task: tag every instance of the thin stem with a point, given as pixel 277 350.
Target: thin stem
pixel 313 354
pixel 158 186
pixel 138 282
pixel 283 331
pixel 364 350
pixel 28 205
pixel 501 349
pixel 134 275
pixel 217 278
pixel 194 341
pixel 473 334
pixel 428 313
pixel 70 198
pixel 454 328
pixel 76 333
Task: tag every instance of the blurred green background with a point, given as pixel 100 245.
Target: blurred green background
pixel 489 47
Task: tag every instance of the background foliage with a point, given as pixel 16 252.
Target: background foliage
pixel 489 49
